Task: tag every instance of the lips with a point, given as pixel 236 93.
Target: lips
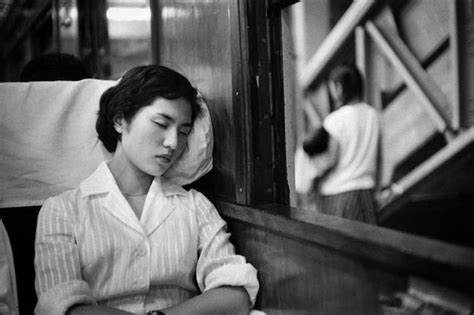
pixel 164 158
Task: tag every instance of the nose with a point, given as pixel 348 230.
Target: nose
pixel 171 139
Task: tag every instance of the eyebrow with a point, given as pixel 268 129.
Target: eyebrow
pixel 167 117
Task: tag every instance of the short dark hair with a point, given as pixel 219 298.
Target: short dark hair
pixel 350 78
pixel 138 88
pixel 317 142
pixel 54 67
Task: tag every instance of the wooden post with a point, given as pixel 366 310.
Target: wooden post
pixel 455 64
pixel 361 58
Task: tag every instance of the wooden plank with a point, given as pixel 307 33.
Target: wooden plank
pixel 401 191
pixel 455 64
pixel 241 94
pixel 416 77
pixel 440 296
pixel 436 160
pixel 433 259
pixel 362 54
pixel 385 20
pixel 462 52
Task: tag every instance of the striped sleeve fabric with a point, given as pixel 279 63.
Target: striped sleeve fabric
pixel 58 280
pixel 218 265
pixel 8 294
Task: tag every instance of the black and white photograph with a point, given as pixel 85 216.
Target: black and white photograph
pixel 260 157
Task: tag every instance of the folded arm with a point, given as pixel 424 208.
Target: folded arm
pixel 226 279
pixel 222 300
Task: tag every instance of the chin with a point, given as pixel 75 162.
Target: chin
pixel 156 170
pixel 157 173
pixel 154 167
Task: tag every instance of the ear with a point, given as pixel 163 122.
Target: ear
pixel 336 91
pixel 338 88
pixel 119 123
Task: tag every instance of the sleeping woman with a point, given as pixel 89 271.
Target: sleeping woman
pixel 130 239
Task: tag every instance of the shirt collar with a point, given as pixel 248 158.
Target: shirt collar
pixel 102 181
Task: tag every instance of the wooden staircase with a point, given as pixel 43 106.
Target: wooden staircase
pixel 417 59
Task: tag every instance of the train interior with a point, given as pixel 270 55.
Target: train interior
pixel 261 66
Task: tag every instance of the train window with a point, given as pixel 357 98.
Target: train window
pixel 408 53
pixel 111 36
pixel 251 60
pixel 67 27
pixel 304 25
pixel 129 30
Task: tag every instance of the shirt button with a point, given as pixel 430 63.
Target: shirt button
pixel 140 252
pixel 141 284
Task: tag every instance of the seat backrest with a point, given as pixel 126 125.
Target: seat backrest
pixel 20 224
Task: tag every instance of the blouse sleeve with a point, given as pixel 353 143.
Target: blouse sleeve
pixel 8 294
pixel 58 280
pixel 218 265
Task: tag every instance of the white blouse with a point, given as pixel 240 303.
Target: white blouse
pixel 356 130
pixel 91 248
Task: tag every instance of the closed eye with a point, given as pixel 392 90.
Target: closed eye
pixel 185 132
pixel 161 125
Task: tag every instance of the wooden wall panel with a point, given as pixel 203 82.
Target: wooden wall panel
pixel 197 39
pixel 310 263
pixel 297 278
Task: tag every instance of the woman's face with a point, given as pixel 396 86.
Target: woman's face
pixel 156 135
